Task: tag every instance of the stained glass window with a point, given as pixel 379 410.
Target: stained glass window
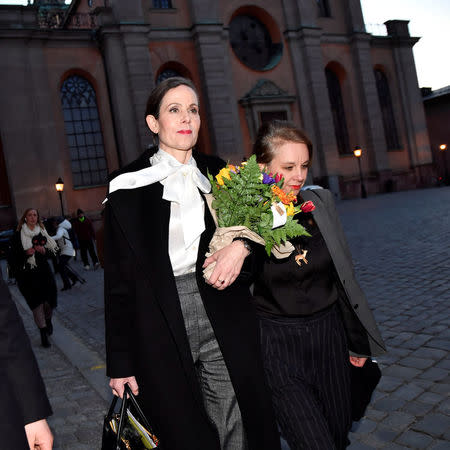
pixel 162 4
pixel 83 131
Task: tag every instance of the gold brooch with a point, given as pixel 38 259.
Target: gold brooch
pixel 301 257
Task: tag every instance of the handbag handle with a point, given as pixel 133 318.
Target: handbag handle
pixel 128 396
pixel 123 412
pixel 138 409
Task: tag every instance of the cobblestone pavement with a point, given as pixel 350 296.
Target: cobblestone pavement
pixel 401 247
pixel 77 408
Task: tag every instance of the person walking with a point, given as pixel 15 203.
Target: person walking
pixel 189 347
pixel 64 242
pixel 23 423
pixel 315 320
pixel 31 246
pixel 84 230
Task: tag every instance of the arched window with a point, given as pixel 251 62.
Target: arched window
pixel 167 73
pixel 5 195
pixel 162 4
pixel 324 8
pixel 337 109
pixel 387 111
pixel 84 134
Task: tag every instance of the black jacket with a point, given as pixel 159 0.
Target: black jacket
pixel 145 333
pixel 22 390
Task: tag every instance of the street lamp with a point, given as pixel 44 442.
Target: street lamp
pixel 358 152
pixel 59 185
pixel 443 148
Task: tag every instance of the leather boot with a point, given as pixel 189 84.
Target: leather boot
pixel 44 337
pixel 49 324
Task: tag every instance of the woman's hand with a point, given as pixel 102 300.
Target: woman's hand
pixel 30 251
pixel 229 261
pixel 357 361
pixel 39 435
pixel 40 249
pixel 117 385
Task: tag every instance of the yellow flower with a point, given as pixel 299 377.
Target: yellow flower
pixel 290 209
pixel 224 173
pixel 219 179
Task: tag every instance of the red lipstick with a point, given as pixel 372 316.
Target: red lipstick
pixel 185 132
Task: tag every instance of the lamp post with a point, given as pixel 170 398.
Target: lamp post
pixel 443 148
pixel 358 152
pixel 60 188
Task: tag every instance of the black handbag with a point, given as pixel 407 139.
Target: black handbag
pixel 364 380
pixel 127 429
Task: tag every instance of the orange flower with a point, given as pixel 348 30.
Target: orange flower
pixel 285 198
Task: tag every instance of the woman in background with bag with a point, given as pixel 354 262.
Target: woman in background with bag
pixel 311 308
pixel 31 246
pixel 64 242
pixel 189 347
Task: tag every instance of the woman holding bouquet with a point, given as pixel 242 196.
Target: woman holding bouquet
pixel 31 247
pixel 190 348
pixel 315 320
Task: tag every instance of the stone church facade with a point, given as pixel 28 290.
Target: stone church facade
pixel 75 79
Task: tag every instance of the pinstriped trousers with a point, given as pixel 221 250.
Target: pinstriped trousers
pixel 307 367
pixel 218 392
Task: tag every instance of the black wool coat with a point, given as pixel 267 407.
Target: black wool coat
pixel 22 390
pixel 37 285
pixel 145 332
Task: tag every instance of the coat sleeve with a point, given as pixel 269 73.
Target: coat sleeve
pixel 119 298
pixel 59 234
pixel 363 334
pixel 18 364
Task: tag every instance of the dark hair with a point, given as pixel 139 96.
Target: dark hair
pixel 79 211
pixel 156 96
pixel 272 134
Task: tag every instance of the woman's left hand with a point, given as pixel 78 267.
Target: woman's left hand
pixel 357 361
pixel 229 261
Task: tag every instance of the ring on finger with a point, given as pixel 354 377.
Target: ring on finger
pixel 221 281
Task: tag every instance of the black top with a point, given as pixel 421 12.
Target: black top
pixel 285 288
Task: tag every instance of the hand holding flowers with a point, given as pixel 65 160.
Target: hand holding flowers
pixel 248 202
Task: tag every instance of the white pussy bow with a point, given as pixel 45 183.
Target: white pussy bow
pixel 181 183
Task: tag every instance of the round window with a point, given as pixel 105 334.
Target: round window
pixel 252 44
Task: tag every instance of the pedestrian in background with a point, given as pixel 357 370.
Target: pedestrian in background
pixel 31 247
pixel 64 242
pixel 190 347
pixel 315 319
pixel 25 405
pixel 84 230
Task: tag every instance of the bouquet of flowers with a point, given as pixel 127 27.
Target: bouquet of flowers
pixel 249 202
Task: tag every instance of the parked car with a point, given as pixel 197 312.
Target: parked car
pixel 5 237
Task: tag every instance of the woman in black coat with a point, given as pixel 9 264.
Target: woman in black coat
pixel 190 347
pixel 315 320
pixel 24 400
pixel 31 247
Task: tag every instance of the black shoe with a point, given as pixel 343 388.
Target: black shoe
pixel 49 324
pixel 44 337
pixel 66 288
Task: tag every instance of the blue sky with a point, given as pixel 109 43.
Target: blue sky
pixel 429 20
